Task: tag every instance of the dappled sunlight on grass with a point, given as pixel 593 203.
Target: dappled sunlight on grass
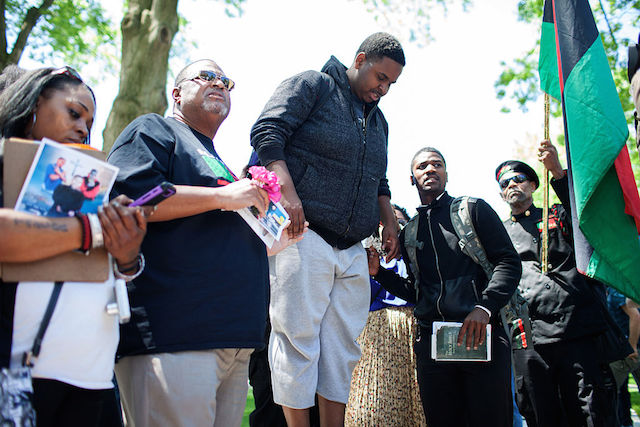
pixel 249 408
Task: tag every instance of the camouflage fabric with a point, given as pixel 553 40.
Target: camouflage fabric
pixel 16 389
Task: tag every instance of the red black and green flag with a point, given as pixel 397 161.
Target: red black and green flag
pixel 605 206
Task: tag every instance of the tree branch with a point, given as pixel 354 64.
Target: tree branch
pixel 30 20
pixel 613 37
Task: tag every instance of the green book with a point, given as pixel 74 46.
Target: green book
pixel 444 347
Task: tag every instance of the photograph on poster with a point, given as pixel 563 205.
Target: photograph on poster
pixel 63 181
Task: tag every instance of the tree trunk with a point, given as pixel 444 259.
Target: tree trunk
pixel 148 28
pixel 29 21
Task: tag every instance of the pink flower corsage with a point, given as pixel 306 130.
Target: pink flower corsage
pixel 267 180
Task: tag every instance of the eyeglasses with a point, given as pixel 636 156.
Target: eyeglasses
pixel 67 71
pixel 210 76
pixel 519 178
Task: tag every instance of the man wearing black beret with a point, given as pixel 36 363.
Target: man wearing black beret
pixel 563 379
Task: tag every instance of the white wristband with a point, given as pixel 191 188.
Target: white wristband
pixel 97 239
pixel 485 309
pixel 129 277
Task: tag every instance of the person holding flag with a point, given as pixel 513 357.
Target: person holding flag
pixel 594 232
pixel 603 195
pixel 564 378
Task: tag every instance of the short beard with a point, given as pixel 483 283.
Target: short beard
pixel 518 201
pixel 216 107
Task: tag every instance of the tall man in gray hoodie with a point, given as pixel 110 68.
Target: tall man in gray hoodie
pixel 324 136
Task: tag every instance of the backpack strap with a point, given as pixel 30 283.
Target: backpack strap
pixel 514 315
pixel 412 245
pixel 469 242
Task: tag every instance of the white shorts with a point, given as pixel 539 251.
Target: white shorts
pixel 319 305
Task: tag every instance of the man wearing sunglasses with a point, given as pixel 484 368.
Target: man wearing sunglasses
pixel 331 159
pixel 562 379
pixel 199 309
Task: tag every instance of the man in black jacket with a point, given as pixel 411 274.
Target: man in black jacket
pixel 452 287
pixel 563 379
pixel 326 139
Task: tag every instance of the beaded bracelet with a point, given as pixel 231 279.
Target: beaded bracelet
pixel 85 246
pixel 140 263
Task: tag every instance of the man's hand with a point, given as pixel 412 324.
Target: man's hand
pixel 630 308
pixel 390 230
pixel 548 155
pixel 290 200
pixel 243 194
pixel 373 259
pixel 292 204
pixel 475 327
pixel 285 241
pixel 390 241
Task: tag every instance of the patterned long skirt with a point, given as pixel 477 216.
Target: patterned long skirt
pixel 384 386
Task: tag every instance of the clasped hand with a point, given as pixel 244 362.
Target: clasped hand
pixel 123 228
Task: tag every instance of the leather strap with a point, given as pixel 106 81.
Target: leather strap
pixel 37 342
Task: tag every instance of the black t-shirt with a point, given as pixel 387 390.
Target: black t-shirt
pixel 206 281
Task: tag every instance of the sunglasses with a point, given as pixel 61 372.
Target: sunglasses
pixel 67 71
pixel 210 76
pixel 519 178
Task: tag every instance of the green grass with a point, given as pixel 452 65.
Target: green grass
pixel 251 405
pixel 633 391
pixel 635 396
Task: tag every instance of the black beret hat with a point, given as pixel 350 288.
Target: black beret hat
pixel 517 166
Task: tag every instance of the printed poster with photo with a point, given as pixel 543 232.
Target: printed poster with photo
pixel 63 181
pixel 269 228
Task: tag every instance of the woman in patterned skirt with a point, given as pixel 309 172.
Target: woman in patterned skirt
pixel 384 385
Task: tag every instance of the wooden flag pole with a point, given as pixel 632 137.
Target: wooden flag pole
pixel 545 196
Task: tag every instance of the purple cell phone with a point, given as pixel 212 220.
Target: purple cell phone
pixel 155 195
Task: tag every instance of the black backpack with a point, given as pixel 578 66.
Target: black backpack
pixel 515 315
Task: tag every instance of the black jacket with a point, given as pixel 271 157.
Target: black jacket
pixel 337 162
pixel 562 303
pixel 451 283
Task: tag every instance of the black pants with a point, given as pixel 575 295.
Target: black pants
pixel 459 394
pixel 624 405
pixel 267 412
pixel 60 404
pixel 565 384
